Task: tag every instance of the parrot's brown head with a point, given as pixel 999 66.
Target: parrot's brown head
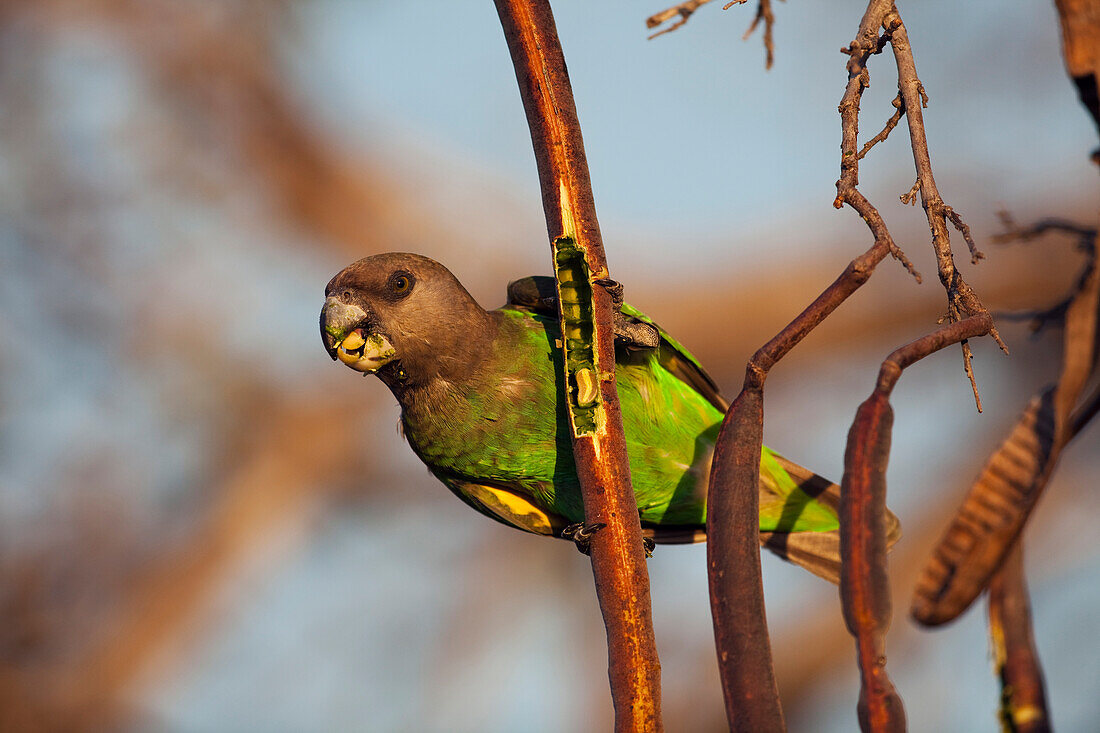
pixel 402 316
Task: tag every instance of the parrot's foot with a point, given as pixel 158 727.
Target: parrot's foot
pixel 582 534
pixel 629 331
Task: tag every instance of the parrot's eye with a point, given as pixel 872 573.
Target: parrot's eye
pixel 401 283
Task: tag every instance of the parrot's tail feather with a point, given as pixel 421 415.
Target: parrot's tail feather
pixel 680 534
pixel 818 552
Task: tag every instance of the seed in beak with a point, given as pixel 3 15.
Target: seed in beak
pixel 353 341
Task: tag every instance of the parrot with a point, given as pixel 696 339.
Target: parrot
pixel 483 405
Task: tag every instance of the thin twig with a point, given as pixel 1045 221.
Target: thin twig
pixel 962 301
pixel 684 10
pixel 957 222
pixel 899 110
pixel 763 12
pixel 866 43
pixel 1086 244
pixel 910 196
pixel 1013 232
pixel 599 444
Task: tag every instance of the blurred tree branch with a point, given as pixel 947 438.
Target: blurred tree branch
pixel 686 9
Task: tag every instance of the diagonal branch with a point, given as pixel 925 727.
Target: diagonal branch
pixel 585 311
pixel 899 110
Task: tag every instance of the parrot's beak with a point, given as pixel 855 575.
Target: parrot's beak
pixel 346 335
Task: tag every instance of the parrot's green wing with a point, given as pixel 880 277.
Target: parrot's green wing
pixel 538 293
pixel 798 508
pixel 680 362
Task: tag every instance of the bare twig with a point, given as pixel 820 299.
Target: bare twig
pixel 866 43
pixel 957 222
pixel 763 12
pixel 962 301
pixel 1086 235
pixel 1086 243
pixel 684 10
pixel 599 445
pixel 1023 693
pixel 910 197
pixel 899 110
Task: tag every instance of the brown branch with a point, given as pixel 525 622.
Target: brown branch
pixel 599 445
pixel 737 607
pixel 864 581
pixel 866 43
pixel 1001 500
pixel 1023 693
pixel 962 301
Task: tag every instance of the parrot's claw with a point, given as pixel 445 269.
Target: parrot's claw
pixel 581 534
pixel 629 331
pixel 614 288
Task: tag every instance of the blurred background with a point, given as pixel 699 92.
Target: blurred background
pixel 205 525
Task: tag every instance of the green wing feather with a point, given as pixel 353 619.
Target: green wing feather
pixel 677 385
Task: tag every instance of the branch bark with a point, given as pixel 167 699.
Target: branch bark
pixel 585 311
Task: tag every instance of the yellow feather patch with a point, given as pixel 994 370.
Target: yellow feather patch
pixel 512 508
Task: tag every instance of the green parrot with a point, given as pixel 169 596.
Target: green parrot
pixel 482 405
